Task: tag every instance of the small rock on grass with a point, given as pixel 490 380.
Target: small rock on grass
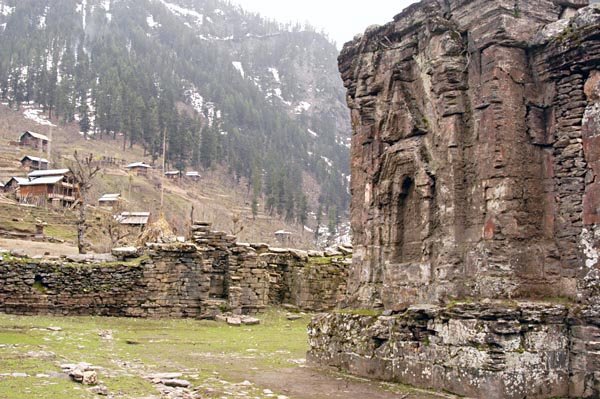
pixel 234 321
pixel 250 321
pixel 99 390
pixel 164 376
pixel 293 316
pixel 176 383
pixel 82 373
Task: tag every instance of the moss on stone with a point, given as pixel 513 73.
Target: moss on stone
pixel 361 312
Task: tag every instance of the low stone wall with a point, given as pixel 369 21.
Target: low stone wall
pixel 485 350
pixel 46 287
pixel 194 279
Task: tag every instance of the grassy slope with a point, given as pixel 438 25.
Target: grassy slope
pixel 216 198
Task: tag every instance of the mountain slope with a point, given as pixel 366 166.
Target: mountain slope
pixel 222 85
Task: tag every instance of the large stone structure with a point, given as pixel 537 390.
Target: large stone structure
pixel 474 153
pixel 194 279
pixel 476 177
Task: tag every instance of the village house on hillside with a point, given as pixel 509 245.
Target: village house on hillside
pixel 138 168
pixel 34 163
pixel 55 187
pixel 34 140
pixel 135 222
pixel 193 175
pixel 173 174
pixel 14 183
pixel 109 200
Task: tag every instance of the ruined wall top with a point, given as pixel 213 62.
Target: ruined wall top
pixel 475 152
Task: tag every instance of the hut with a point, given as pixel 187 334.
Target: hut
pixel 34 163
pixel 14 183
pixel 173 174
pixel 135 222
pixel 193 175
pixel 34 140
pixel 138 168
pixel 109 200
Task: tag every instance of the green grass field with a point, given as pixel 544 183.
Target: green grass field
pixel 215 357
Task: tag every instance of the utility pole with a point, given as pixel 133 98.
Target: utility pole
pixel 162 181
pixel 49 145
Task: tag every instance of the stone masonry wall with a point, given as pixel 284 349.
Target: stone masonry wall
pixel 197 279
pixel 475 200
pixel 474 151
pixel 504 350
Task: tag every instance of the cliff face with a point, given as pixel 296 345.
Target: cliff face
pixel 476 152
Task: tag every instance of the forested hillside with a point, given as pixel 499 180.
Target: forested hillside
pixel 223 86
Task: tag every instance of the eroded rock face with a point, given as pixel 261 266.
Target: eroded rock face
pixel 476 153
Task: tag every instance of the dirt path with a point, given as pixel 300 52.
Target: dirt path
pixel 38 248
pixel 316 383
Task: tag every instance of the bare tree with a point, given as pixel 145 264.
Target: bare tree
pixel 113 227
pixel 237 226
pixel 84 171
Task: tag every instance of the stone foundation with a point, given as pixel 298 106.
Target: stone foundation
pixel 492 350
pixel 198 279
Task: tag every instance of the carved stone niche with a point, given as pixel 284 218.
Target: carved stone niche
pixel 405 208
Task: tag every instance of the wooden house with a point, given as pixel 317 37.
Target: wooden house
pixel 109 200
pixel 55 187
pixel 12 186
pixel 34 163
pixel 134 222
pixel 138 168
pixel 173 174
pixel 34 140
pixel 193 175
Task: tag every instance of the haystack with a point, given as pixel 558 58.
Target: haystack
pixel 157 232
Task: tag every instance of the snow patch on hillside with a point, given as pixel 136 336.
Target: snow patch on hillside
pixel 82 8
pixel 275 74
pixel 327 161
pixel 313 133
pixel 218 11
pixel 301 107
pixel 34 115
pixel 276 92
pixel 195 99
pixel 42 20
pixel 6 10
pixel 238 65
pixel 184 12
pixel 152 22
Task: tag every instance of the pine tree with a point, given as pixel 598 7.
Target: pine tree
pixel 84 121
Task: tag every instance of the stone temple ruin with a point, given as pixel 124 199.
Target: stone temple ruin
pixel 208 275
pixel 475 201
pixel 475 213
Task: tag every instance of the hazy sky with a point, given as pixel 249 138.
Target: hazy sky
pixel 341 19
